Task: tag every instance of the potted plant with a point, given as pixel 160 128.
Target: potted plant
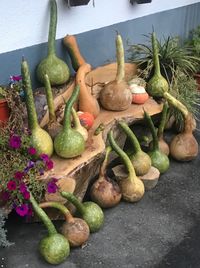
pixel 4 108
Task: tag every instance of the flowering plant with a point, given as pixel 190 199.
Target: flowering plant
pixel 20 170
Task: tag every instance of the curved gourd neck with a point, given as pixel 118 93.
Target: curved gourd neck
pixel 163 120
pixel 52 27
pixel 131 136
pixel 120 59
pixel 105 161
pixel 123 156
pixel 59 206
pixel 49 96
pixel 68 108
pixel 153 131
pixel 30 105
pixel 71 198
pixel 155 54
pixel 43 216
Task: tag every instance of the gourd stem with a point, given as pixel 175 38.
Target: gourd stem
pixel 120 59
pixel 105 161
pixel 49 96
pixel 176 103
pixel 163 120
pixel 61 207
pixel 131 136
pixel 123 156
pixel 155 54
pixel 31 111
pixel 52 27
pixel 68 108
pixel 153 131
pixel 43 216
pixel 76 120
pixel 72 198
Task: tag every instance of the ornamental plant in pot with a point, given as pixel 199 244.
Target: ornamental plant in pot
pixel 4 108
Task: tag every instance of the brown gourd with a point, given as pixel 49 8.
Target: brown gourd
pixel 116 95
pixel 75 55
pixel 87 103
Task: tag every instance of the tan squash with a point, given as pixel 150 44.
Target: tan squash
pixel 87 103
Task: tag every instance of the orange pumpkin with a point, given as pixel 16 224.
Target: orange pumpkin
pixel 139 94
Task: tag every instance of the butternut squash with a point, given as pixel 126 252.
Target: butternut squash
pixel 75 55
pixel 87 103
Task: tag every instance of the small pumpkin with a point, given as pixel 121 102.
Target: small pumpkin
pixel 86 119
pixel 139 94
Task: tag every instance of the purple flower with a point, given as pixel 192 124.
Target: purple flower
pixel 32 151
pixel 26 195
pixel 22 210
pixel 15 78
pixel 11 185
pixel 52 187
pixel 22 188
pixel 30 165
pixel 15 142
pixel 44 157
pixel 18 175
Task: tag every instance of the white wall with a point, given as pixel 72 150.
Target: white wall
pixel 24 23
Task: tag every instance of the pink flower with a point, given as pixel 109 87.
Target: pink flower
pixel 26 195
pixel 22 188
pixel 11 185
pixel 52 187
pixel 15 142
pixel 14 78
pixel 18 175
pixel 32 151
pixel 22 210
pixel 49 164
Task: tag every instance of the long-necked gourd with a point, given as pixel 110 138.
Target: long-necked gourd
pixel 87 102
pixel 157 85
pixel 132 187
pixel 57 69
pixel 116 95
pixel 105 191
pixel 77 125
pixel 40 139
pixel 54 247
pixel 53 126
pixel 159 160
pixel 74 229
pixel 69 142
pixel 140 160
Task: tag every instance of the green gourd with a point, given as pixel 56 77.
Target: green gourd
pixel 132 187
pixel 53 126
pixel 54 247
pixel 159 160
pixel 57 69
pixel 140 160
pixel 90 211
pixel 74 229
pixel 69 142
pixel 40 139
pixel 157 84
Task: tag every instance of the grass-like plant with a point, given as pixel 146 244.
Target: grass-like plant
pixel 172 54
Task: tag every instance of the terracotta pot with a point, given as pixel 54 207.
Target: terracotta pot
pixel 4 112
pixel 197 78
